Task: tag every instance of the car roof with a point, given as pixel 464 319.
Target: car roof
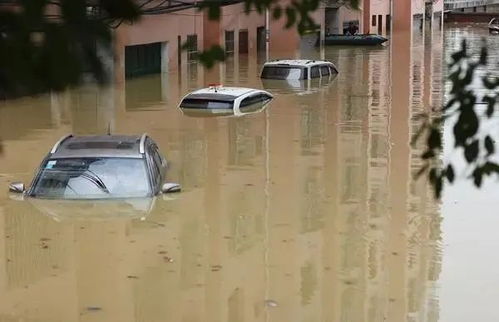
pixel 125 146
pixel 296 62
pixel 221 92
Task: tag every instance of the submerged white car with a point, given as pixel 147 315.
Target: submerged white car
pixel 297 69
pixel 218 100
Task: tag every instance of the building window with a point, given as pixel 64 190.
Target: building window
pixel 373 22
pixel 243 41
pixel 229 42
pixel 142 59
pixel 192 47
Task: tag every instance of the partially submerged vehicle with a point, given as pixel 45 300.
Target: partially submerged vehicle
pixel 354 40
pixel 494 26
pixel 297 86
pixel 100 167
pixel 94 210
pixel 297 69
pixel 217 100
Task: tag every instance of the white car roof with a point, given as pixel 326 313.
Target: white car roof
pixel 297 62
pixel 225 91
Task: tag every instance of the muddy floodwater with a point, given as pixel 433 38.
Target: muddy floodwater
pixel 306 211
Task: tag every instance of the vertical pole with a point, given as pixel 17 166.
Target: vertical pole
pixel 267 34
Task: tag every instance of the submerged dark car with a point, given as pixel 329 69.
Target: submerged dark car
pixel 100 167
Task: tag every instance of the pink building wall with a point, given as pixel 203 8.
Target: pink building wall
pixel 234 19
pixel 376 8
pixel 163 28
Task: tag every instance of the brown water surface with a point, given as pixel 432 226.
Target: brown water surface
pixel 306 211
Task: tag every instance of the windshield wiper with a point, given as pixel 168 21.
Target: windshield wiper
pixel 92 177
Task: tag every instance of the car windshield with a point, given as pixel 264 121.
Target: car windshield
pixel 275 72
pixel 197 103
pixel 92 178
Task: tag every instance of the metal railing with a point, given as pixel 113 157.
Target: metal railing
pixel 459 4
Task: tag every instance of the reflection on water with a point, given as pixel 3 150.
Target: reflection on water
pixel 71 210
pixel 296 86
pixel 306 211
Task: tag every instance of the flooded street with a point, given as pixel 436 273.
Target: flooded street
pixel 306 211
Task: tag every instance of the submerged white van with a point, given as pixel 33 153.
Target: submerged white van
pixel 219 100
pixel 297 69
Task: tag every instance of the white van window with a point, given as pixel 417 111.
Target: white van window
pixel 205 104
pixel 324 70
pixel 282 72
pixel 315 72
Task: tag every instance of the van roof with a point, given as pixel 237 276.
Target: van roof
pixel 296 62
pixel 221 92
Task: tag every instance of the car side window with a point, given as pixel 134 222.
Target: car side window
pixel 158 159
pixel 324 70
pixel 155 167
pixel 254 102
pixel 250 100
pixel 315 72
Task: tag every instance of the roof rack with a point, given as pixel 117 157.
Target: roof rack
pixel 58 143
pixel 142 144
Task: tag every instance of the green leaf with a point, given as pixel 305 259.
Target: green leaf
pixel 461 54
pixel 428 155
pixel 121 9
pixel 434 140
pixel 491 102
pixel 471 151
pixel 466 126
pixel 490 167
pixel 433 175
pixel 277 12
pixel 483 56
pixel 290 17
pixel 489 145
pixel 477 176
pixel 209 57
pixel 449 173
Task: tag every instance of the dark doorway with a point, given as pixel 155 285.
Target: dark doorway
pixel 380 24
pixel 388 23
pixel 243 41
pixel 260 39
pixel 142 59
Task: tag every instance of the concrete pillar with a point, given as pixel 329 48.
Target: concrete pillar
pixel 211 36
pixel 401 42
pixel 367 16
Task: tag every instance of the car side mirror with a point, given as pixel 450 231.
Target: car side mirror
pixel 170 187
pixel 17 187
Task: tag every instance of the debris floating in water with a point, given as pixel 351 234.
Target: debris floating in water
pixel 271 303
pixel 216 268
pixel 93 308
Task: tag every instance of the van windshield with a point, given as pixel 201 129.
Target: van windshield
pixel 197 103
pixel 283 72
pixel 92 178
